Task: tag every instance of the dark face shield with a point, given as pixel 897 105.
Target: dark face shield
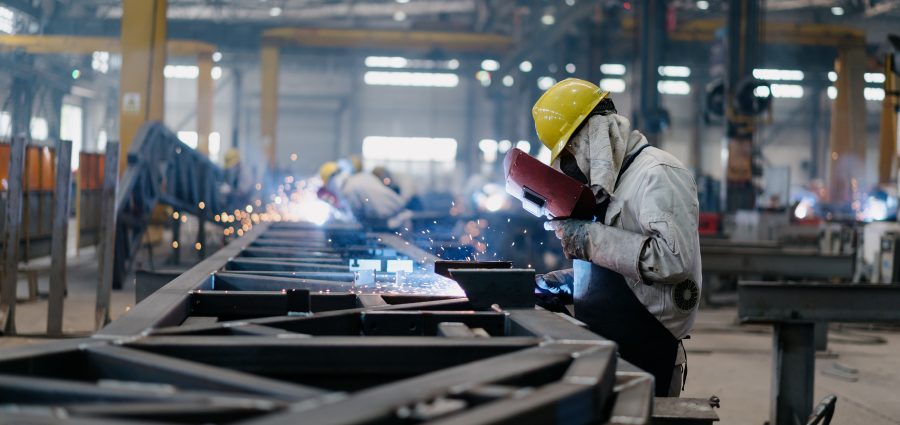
pixel 569 166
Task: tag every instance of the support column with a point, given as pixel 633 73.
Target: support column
pixel 11 244
pixel 887 151
pixel 652 38
pixel 22 99
pixel 269 62
pixel 142 85
pixel 205 93
pixel 815 143
pixel 793 373
pixel 236 107
pixel 848 126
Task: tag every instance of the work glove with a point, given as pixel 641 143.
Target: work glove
pixel 553 291
pixel 574 237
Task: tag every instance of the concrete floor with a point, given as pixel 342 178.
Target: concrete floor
pixel 733 362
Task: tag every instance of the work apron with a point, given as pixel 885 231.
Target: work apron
pixel 605 302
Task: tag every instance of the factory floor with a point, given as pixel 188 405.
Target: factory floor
pixel 729 361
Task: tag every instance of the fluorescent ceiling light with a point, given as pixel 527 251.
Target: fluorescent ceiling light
pixel 674 71
pixel 490 65
pixel 411 79
pixel 789 91
pixel 187 72
pixel 673 87
pixel 613 85
pixel 778 74
pixel 874 77
pixel 612 69
pixel 873 93
pixel 545 83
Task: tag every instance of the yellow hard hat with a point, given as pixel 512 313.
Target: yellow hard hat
pixel 327 170
pixel 561 109
pixel 232 157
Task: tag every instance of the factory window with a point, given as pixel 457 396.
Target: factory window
pixel 411 79
pixel 70 128
pixel 189 138
pixel 5 124
pixel 425 149
pixel 7 21
pixel 187 72
pixel 100 62
pixel 101 141
pixel 215 144
pixel 39 129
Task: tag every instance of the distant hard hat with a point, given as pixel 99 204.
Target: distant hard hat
pixel 327 170
pixel 562 108
pixel 232 157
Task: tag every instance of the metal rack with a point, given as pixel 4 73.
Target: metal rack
pixel 277 328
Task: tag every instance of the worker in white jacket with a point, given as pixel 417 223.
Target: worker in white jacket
pixel 636 278
pixel 371 202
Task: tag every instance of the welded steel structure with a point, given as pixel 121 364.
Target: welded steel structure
pixel 276 328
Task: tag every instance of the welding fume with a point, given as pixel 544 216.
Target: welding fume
pixel 627 214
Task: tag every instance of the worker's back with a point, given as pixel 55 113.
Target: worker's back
pixel 370 200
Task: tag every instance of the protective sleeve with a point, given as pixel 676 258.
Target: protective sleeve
pixel 668 215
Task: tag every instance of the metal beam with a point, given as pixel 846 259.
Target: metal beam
pixel 76 44
pixel 142 85
pixel 424 41
pixel 269 64
pixel 819 302
pixel 890 106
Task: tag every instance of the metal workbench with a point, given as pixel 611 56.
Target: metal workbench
pixel 278 328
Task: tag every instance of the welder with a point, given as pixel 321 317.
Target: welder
pixel 371 202
pixel 636 275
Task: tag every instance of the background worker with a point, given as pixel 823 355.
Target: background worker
pixel 636 278
pixel 371 202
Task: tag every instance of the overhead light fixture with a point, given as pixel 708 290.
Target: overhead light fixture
pixel 570 2
pixel 217 56
pixel 545 83
pixel 702 5
pixel 832 76
pixel 410 79
pixel 524 146
pixel 570 68
pixel 788 91
pixel 508 81
pixel 402 1
pixel 761 91
pixel 525 66
pixel 674 71
pixel 874 77
pixel 778 74
pixel 613 85
pixel 275 11
pixel 832 92
pixel 548 19
pixel 490 65
pixel 453 64
pixel 673 87
pixel 873 93
pixel 837 11
pixel 612 69
pixel 399 16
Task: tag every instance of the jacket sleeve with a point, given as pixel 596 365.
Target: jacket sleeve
pixel 668 216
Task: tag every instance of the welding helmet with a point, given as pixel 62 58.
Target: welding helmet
pixel 328 170
pixel 561 110
pixel 232 157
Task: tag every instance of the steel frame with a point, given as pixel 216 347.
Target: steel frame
pixel 795 310
pixel 316 346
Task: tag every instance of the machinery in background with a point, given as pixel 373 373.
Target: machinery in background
pixel 162 170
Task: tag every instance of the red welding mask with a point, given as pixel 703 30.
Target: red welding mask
pixel 545 191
